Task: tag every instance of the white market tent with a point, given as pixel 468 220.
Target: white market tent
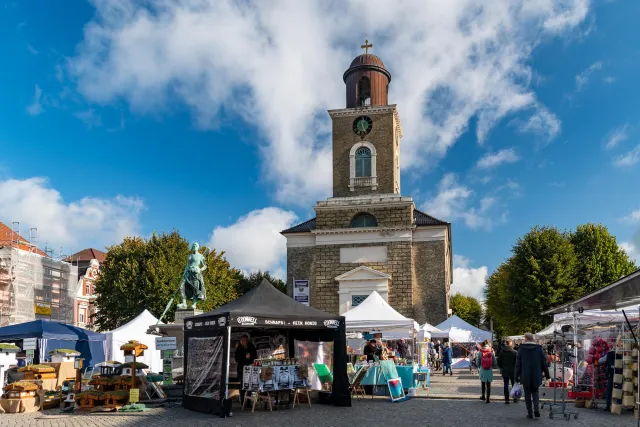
pixel 587 318
pixel 135 330
pixel 374 314
pixel 457 330
pixel 426 330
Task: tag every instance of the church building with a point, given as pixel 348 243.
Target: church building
pixel 368 236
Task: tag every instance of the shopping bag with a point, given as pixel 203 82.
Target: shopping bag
pixel 516 391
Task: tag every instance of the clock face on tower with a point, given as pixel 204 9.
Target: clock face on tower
pixel 362 125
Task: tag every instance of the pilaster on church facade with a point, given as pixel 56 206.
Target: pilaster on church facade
pixel 368 237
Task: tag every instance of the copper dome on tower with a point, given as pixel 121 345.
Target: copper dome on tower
pixel 367 80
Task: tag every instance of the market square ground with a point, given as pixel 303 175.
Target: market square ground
pixel 379 412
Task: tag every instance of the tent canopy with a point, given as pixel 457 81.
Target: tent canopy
pixel 48 330
pixel 622 293
pixel 264 306
pixel 429 328
pixel 136 329
pixel 458 330
pixel 375 314
pixel 587 318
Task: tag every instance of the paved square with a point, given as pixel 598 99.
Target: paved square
pixel 378 412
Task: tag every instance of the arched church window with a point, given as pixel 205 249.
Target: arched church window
pixel 364 220
pixel 363 162
pixel 364 92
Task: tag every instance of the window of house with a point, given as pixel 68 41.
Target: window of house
pixel 87 288
pixel 363 162
pixel 356 300
pixel 81 315
pixel 364 220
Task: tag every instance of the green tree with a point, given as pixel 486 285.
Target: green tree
pixel 143 274
pixel 246 283
pixel 498 302
pixel 467 308
pixel 600 260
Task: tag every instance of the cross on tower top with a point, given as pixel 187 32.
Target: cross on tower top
pixel 366 46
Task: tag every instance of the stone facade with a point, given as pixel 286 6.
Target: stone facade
pixel 430 281
pixel 385 137
pixel 387 216
pixel 300 262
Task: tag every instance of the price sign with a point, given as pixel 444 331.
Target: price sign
pixel 134 395
pixel 30 343
pixel 165 343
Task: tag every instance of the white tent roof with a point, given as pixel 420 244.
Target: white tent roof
pixel 458 330
pixel 375 314
pixel 588 318
pixel 429 328
pixel 135 330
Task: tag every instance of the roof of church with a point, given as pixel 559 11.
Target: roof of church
pixel 366 59
pixel 419 217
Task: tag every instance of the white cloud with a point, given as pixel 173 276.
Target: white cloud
pixel 32 50
pixel 628 159
pixel 35 108
pixel 454 201
pixel 492 160
pixel 278 64
pixel 543 123
pixel 73 225
pixel 633 216
pixel 254 241
pixel 90 118
pixel 583 78
pixel 617 136
pixel 632 250
pixel 609 79
pixel 468 280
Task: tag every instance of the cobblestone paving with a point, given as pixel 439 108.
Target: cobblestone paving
pixel 379 412
pixel 465 385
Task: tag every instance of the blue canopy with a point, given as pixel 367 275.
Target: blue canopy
pixel 48 330
pixel 53 335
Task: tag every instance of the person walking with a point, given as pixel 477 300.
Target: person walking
pixel 530 365
pixel 608 361
pixel 507 365
pixel 245 355
pixel 485 361
pixel 447 359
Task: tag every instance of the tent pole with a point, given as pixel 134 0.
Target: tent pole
pixel 226 384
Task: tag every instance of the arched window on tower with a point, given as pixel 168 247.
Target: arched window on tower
pixel 364 92
pixel 363 162
pixel 364 220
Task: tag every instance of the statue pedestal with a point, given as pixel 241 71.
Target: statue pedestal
pixel 182 313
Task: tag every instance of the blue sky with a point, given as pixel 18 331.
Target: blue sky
pixel 211 118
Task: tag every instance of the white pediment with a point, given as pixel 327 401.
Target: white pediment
pixel 362 273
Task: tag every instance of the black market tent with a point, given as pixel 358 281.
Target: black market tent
pixel 622 293
pixel 207 349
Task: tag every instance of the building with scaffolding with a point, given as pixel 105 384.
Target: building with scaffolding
pixel 34 284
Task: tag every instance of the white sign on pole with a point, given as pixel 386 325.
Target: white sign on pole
pixel 166 343
pixel 29 343
pixel 301 291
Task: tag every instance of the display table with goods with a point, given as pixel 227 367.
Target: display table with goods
pixel 273 382
pixel 374 376
pixel 21 396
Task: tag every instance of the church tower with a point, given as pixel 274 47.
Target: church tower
pixel 368 237
pixel 366 135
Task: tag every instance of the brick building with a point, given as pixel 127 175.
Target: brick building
pixel 88 262
pixel 368 236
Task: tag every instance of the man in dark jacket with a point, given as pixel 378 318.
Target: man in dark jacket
pixel 447 359
pixel 245 355
pixel 507 365
pixel 530 365
pixel 609 360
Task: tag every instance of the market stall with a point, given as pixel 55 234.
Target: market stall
pixel 136 329
pixel 462 336
pixel 53 335
pixel 620 294
pixel 270 319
